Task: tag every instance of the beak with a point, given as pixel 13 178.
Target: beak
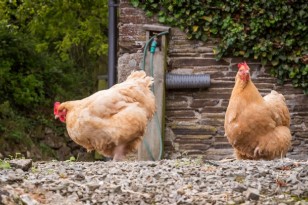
pixel 56 116
pixel 247 72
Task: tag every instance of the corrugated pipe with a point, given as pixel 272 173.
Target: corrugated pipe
pixel 180 81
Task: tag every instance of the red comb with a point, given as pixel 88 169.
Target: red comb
pixel 55 107
pixel 243 64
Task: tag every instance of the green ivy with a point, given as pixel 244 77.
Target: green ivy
pixel 273 32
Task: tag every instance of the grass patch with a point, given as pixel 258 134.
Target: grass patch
pixel 4 164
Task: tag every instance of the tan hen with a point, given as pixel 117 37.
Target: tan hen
pixel 112 121
pixel 256 127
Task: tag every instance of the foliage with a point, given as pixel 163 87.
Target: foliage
pixel 17 156
pixel 75 29
pixel 20 83
pixel 274 32
pixel 47 50
pixel 27 83
pixel 71 159
pixel 4 164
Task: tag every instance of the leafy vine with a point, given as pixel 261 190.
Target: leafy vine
pixel 273 32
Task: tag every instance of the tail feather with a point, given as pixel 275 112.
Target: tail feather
pixel 278 107
pixel 137 89
pixel 136 74
pixel 141 78
pixel 279 143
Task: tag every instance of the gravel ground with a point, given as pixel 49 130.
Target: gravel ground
pixel 183 181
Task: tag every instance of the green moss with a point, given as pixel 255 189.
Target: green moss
pixel 4 164
pixel 297 198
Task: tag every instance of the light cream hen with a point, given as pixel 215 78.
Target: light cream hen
pixel 112 121
pixel 257 127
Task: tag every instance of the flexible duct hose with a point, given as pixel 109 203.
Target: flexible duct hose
pixel 179 81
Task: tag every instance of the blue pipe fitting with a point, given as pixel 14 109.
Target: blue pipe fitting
pixel 153 45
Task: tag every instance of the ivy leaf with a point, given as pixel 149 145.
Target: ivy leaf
pixel 198 34
pixel 207 18
pixel 135 3
pixel 214 30
pixel 204 37
pixel 305 70
pixel 148 13
pixel 282 57
pixel 246 55
pixel 216 50
pixel 189 36
pixel 263 61
pixel 162 19
pixel 292 74
pixel 161 13
pixel 206 28
pixel 301 13
pixel 275 62
pixel 170 7
pixel 195 28
pixel 169 19
pixel 295 82
pixel 155 5
pixel 178 15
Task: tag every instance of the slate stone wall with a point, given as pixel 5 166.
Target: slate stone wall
pixel 195 117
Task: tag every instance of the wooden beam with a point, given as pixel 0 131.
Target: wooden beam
pixel 150 27
pixel 156 127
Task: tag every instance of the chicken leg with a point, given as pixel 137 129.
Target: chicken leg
pixel 119 153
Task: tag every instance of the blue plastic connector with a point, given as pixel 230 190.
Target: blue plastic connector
pixel 153 46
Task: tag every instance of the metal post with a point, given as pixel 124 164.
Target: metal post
pixel 112 42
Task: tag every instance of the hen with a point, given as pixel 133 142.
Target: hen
pixel 112 121
pixel 257 127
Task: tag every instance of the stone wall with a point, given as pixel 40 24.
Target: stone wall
pixel 195 117
pixel 47 144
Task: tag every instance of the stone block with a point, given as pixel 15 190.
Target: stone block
pixel 194 130
pixel 200 103
pixel 180 62
pixel 24 164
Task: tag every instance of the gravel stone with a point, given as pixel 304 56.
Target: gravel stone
pixel 27 200
pixel 240 188
pixel 180 181
pixel 24 164
pixel 252 194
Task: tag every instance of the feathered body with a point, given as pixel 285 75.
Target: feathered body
pixel 257 127
pixel 112 121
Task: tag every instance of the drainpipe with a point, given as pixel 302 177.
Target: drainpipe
pixel 112 42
